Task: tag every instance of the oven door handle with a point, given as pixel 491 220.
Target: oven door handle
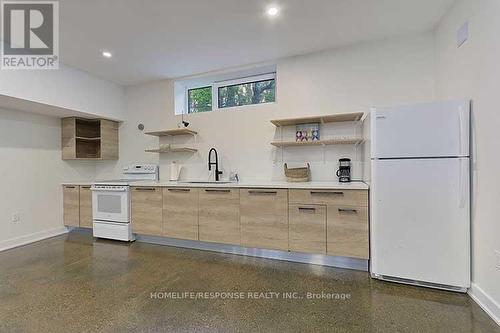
pixel 108 189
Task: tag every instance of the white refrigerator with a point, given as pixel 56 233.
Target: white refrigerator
pixel 420 195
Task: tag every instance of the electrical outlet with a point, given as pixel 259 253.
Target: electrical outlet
pixel 15 217
pixel 497 256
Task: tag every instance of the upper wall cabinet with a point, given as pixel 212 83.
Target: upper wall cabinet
pixel 95 139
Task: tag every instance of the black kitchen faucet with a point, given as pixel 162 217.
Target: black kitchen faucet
pixel 216 163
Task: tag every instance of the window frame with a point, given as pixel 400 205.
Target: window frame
pixel 235 82
pixel 220 84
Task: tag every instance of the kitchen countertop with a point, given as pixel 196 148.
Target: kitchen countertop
pixel 249 184
pixel 79 183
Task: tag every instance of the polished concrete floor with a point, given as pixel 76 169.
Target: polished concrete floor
pixel 73 283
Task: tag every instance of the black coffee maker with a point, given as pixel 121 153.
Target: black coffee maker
pixel 344 171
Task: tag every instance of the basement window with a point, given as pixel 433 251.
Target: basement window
pixel 199 100
pixel 241 92
pixel 225 91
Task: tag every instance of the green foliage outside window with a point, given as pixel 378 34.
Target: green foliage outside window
pixel 200 100
pixel 247 93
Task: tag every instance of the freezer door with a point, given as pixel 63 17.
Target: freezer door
pixel 420 220
pixel 423 130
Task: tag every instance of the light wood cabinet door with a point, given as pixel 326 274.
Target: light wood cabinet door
pixel 85 207
pixel 264 218
pixel 68 141
pixel 307 228
pixel 71 205
pixel 180 213
pixel 109 140
pixel 220 215
pixel 347 231
pixel 330 197
pixel 147 210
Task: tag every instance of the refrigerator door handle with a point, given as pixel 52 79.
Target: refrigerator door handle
pixel 462 140
pixel 460 132
pixel 462 187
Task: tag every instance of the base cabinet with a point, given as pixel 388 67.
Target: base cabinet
pixel 85 207
pixel 71 205
pixel 312 221
pixel 180 213
pixel 347 233
pixel 219 219
pixel 147 210
pixel 307 228
pixel 264 218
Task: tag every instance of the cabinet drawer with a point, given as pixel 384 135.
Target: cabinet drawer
pixel 307 228
pixel 219 219
pixel 71 205
pixel 180 213
pixel 147 210
pixel 347 231
pixel 85 207
pixel 264 218
pixel 330 197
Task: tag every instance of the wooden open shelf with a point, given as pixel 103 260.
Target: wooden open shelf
pixel 92 139
pixel 318 143
pixel 172 132
pixel 333 118
pixel 172 150
pixel 88 148
pixel 87 128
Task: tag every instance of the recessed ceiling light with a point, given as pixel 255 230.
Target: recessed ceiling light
pixel 273 11
pixel 106 54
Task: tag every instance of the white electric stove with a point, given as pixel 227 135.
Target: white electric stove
pixel 111 202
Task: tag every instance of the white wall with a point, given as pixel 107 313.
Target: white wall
pixel 31 166
pixel 31 170
pixel 344 80
pixel 66 88
pixel 473 71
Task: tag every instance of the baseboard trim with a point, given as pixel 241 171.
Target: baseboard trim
pixel 315 259
pixel 31 238
pixel 485 301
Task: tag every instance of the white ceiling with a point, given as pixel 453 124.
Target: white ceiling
pixel 155 39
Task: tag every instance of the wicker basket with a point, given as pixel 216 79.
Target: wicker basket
pixel 297 174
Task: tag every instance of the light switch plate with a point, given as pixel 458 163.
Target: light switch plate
pixel 15 217
pixel 463 34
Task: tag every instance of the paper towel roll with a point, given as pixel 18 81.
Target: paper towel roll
pixel 174 171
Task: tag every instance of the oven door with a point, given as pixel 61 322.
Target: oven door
pixel 111 203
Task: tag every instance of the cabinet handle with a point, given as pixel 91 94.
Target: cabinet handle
pixel 68 186
pixel 343 210
pixel 218 191
pixel 179 190
pixel 86 187
pixel 326 193
pixel 263 192
pixel 309 209
pixel 145 189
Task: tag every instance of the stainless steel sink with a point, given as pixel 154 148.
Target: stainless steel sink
pixel 206 182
